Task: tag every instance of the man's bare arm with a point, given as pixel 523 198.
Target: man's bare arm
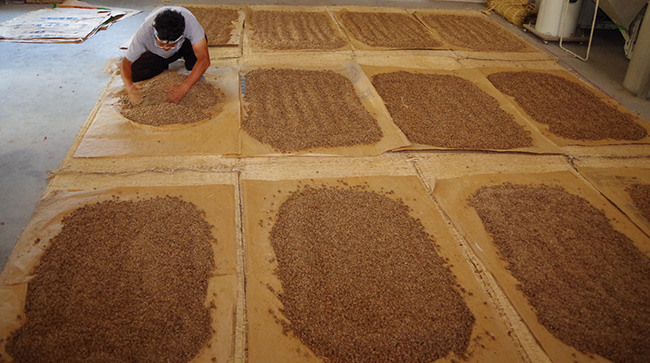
pixel 127 79
pixel 177 93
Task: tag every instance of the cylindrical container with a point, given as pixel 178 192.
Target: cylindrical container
pixel 549 17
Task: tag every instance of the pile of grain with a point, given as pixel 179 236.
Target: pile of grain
pixel 156 111
pixel 640 194
pixel 393 30
pixel 122 281
pixel 295 110
pixel 448 111
pixel 281 30
pixel 218 23
pixel 569 109
pixel 474 32
pixel 362 281
pixel 588 283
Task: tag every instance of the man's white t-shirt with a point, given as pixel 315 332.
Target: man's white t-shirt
pixel 145 40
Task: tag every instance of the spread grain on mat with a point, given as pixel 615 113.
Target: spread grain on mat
pixel 295 110
pixel 282 30
pixel 569 109
pixel 218 23
pixel 156 111
pixel 122 281
pixel 391 30
pixel 474 33
pixel 362 281
pixel 588 283
pixel 448 111
pixel 640 194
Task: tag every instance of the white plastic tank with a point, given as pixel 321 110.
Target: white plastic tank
pixel 549 17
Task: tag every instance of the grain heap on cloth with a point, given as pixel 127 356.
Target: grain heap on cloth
pixel 123 280
pixel 448 111
pixel 155 110
pixel 393 30
pixel 588 283
pixel 361 279
pixel 569 109
pixel 474 32
pixel 218 23
pixel 295 110
pixel 284 30
pixel 640 194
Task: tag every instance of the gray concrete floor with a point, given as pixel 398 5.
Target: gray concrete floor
pixel 48 90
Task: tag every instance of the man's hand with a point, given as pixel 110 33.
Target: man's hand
pixel 134 94
pixel 176 93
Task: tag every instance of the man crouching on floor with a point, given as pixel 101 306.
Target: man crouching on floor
pixel 168 34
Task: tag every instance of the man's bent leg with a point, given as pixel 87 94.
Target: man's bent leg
pixel 148 66
pixel 187 53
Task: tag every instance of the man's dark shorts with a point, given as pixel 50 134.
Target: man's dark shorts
pixel 150 65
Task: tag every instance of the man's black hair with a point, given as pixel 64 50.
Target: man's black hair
pixel 169 24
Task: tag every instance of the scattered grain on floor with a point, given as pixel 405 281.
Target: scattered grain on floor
pixel 218 23
pixel 569 109
pixel 294 110
pixel 640 194
pixel 393 30
pixel 154 110
pixel 448 111
pixel 588 283
pixel 362 281
pixel 474 32
pixel 122 281
pixel 282 30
